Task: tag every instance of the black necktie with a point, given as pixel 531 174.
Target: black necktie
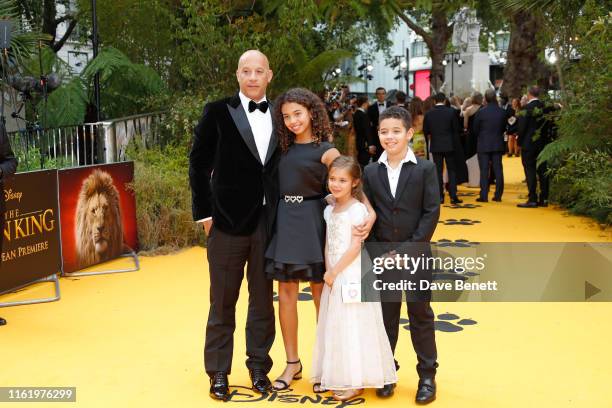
pixel 381 104
pixel 262 106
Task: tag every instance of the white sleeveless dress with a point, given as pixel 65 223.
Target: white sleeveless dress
pixel 351 349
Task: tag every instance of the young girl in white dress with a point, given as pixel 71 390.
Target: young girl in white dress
pixel 352 351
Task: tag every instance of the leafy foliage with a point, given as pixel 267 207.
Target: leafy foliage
pixel 126 88
pixel 24 42
pixel 583 184
pixel 581 157
pixel 161 185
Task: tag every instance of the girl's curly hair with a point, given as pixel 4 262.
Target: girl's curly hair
pixel 321 128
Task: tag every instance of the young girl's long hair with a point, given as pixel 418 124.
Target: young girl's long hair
pixel 350 164
pixel 321 129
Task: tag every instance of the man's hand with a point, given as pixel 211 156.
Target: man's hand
pixel 329 278
pixel 363 230
pixel 207 226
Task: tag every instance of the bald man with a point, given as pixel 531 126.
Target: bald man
pixel 233 173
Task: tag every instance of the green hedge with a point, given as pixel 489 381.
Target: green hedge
pixel 583 184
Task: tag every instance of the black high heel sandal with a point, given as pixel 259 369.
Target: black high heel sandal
pixel 296 376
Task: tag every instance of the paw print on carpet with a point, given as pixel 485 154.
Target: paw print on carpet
pixel 304 295
pixel 459 243
pixel 445 322
pixel 462 221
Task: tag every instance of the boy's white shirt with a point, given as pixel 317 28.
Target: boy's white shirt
pixel 393 174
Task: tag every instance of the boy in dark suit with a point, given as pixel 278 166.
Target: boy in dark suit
pixel 404 192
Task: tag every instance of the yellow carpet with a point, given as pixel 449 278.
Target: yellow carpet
pixel 136 339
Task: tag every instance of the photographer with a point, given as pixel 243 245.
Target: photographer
pixel 8 165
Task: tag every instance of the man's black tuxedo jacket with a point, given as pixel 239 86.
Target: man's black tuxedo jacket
pixel 373 116
pixel 441 124
pixel 529 126
pixel 361 123
pixel 489 127
pixel 228 180
pixel 412 216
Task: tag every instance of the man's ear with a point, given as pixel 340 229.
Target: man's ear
pixel 270 75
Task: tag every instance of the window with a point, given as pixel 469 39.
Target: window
pixel 502 41
pixel 419 49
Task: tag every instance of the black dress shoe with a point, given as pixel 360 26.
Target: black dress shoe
pixel 2 322
pixel 482 200
pixel 426 392
pixel 543 203
pixel 260 380
pixel 386 391
pixel 498 199
pixel 528 204
pixel 219 386
pixel 456 201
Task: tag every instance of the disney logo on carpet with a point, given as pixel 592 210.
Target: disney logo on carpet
pixel 244 394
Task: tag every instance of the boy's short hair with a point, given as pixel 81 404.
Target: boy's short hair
pixel 397 112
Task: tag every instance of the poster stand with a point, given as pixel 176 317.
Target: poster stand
pixel 53 278
pixel 132 255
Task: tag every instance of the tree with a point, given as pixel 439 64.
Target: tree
pixel 210 37
pixel 525 54
pixel 24 42
pixel 42 15
pixel 140 29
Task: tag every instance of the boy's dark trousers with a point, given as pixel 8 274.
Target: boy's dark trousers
pixel 421 317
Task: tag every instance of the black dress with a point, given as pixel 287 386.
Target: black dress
pixel 295 252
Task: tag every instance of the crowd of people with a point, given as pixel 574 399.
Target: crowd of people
pixel 451 131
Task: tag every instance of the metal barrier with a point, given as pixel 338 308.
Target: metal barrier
pixel 85 144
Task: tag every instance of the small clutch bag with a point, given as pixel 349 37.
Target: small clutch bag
pixel 351 292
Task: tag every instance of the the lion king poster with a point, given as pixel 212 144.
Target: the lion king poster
pixel 98 214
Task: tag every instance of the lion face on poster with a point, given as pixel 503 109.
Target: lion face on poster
pixel 98 228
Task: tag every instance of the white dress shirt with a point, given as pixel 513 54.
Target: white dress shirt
pixel 261 125
pixel 381 108
pixel 394 173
